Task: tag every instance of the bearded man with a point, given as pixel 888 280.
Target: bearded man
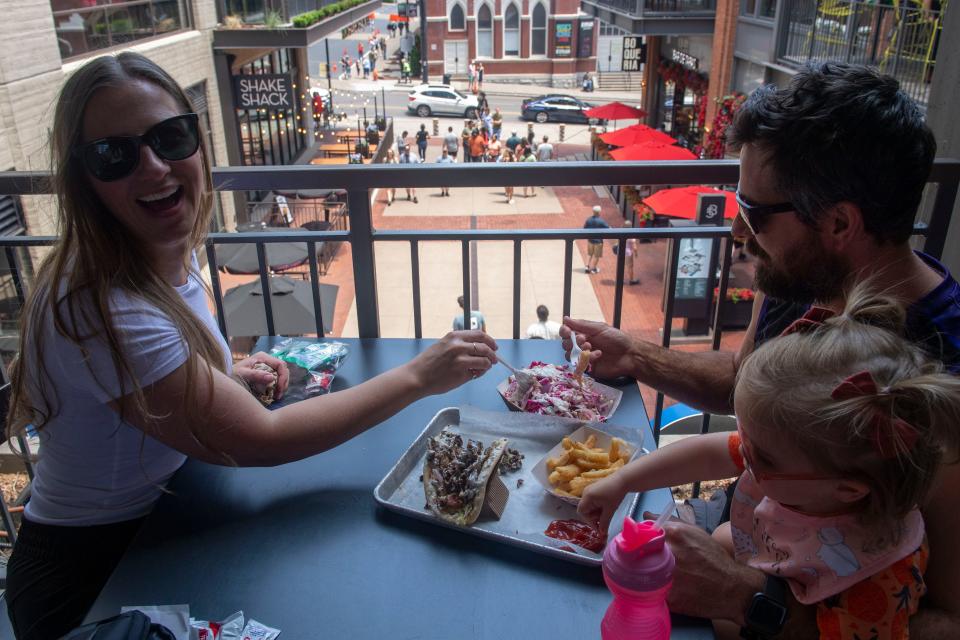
pixel 832 170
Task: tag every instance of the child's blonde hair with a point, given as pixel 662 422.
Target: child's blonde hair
pixel 790 384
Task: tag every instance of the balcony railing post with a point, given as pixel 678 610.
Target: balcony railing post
pixel 364 263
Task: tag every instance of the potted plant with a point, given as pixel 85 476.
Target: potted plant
pixel 737 307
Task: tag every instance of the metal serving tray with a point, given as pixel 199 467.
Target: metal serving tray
pixel 530 509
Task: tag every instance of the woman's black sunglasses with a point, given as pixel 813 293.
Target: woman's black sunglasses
pixel 116 157
pixel 754 214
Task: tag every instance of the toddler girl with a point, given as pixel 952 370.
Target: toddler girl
pixel 842 424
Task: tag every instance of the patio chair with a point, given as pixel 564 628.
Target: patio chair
pixel 914 38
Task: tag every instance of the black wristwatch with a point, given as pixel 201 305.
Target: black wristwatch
pixel 767 612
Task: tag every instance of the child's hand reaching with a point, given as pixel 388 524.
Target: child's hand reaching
pixel 601 499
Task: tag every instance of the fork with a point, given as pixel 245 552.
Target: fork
pixel 524 379
pixel 575 350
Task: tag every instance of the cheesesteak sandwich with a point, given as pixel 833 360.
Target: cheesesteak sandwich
pixel 456 473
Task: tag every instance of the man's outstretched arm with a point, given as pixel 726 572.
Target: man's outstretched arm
pixel 703 379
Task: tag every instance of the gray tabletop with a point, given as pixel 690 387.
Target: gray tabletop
pixel 304 547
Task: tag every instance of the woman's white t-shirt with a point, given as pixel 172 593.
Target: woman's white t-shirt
pixel 93 468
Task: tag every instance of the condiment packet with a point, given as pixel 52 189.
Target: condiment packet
pixel 256 631
pixel 318 382
pixel 229 628
pixel 175 617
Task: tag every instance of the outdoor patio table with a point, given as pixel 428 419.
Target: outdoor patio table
pixel 304 546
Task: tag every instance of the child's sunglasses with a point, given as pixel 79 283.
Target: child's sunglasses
pixel 116 157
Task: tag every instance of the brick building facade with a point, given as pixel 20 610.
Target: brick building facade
pixel 538 41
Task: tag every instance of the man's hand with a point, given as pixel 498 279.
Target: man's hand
pixel 612 349
pixel 707 582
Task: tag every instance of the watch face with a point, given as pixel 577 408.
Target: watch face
pixel 766 615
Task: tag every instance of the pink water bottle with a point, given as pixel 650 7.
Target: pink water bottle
pixel 638 569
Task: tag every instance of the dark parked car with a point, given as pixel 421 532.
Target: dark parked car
pixel 555 108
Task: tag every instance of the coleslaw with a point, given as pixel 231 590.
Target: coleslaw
pixel 557 392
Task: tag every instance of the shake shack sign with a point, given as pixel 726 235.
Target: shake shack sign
pixel 263 91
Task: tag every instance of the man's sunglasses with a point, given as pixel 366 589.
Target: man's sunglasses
pixel 116 157
pixel 753 215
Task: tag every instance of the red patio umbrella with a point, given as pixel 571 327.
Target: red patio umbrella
pixel 682 201
pixel 636 134
pixel 650 151
pixel 615 111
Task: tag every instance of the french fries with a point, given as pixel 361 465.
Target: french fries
pixel 583 463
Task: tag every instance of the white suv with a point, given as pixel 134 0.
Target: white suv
pixel 428 99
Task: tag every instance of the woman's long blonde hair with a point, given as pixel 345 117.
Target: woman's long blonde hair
pixel 789 385
pixel 95 256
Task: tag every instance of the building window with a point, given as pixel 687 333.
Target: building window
pixel 458 22
pixel 511 31
pixel 538 31
pixel 758 8
pixel 484 32
pixel 83 27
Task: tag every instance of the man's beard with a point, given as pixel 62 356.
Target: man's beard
pixel 812 274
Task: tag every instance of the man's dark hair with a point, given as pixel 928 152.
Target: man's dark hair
pixel 543 313
pixel 841 132
pixel 460 301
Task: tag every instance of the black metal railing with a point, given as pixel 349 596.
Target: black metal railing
pixel 901 39
pixel 359 181
pixel 662 8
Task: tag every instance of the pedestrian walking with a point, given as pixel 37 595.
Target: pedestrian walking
pixel 513 141
pixel 366 67
pixel 346 64
pixel 471 77
pixel 444 159
pixel 405 69
pixel 594 245
pixel 465 139
pixel 391 159
pixel 401 142
pixel 497 120
pixel 359 49
pixel 407 158
pixel 477 146
pixel 629 253
pixel 422 137
pixel 545 150
pixel 493 150
pixel 356 64
pixel 505 157
pixel 543 328
pixel 477 320
pixel 479 75
pixel 529 157
pixel 451 142
pixel 483 105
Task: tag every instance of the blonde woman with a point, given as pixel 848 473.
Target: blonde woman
pixel 391 159
pixel 507 156
pixel 122 369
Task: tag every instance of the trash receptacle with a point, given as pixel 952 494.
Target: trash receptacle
pixel 446 78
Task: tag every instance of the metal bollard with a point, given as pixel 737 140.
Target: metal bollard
pixel 436 126
pixel 563 130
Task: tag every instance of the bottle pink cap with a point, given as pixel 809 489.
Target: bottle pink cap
pixel 639 557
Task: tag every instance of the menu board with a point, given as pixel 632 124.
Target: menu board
pixel 563 40
pixel 693 268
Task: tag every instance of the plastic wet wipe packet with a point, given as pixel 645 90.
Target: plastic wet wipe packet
pixel 319 360
pixel 312 356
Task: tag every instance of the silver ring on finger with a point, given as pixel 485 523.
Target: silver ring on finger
pixel 475 348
